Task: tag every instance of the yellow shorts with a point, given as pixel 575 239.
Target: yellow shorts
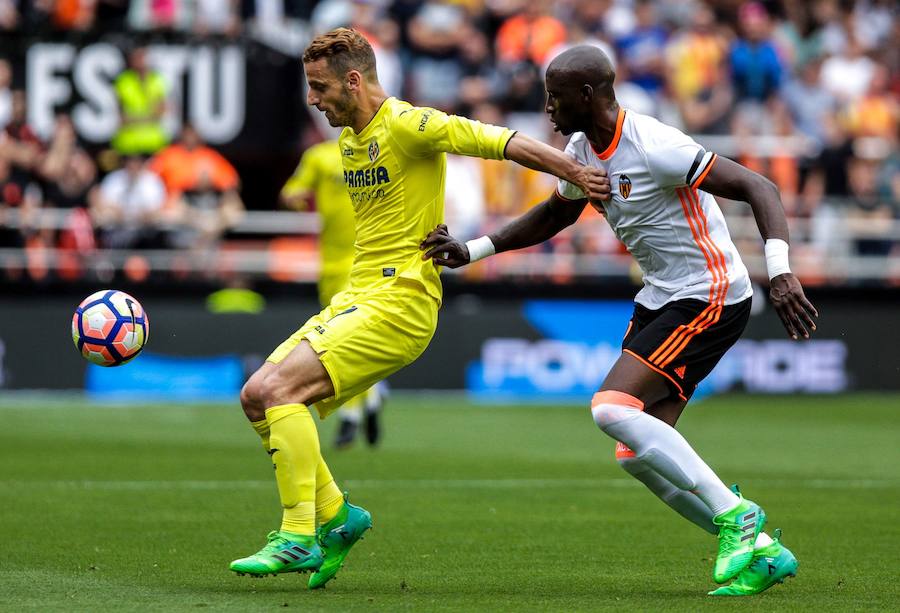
pixel 361 338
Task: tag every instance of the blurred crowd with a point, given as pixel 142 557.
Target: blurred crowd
pixel 142 192
pixel 804 92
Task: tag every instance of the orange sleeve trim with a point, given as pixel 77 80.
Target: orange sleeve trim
pixel 699 180
pixel 655 369
pixel 614 397
pixel 611 149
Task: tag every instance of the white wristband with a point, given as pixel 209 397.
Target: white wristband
pixel 777 257
pixel 480 248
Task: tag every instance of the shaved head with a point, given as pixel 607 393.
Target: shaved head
pixel 579 85
pixel 584 65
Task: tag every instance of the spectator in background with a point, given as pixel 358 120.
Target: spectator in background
pixel 9 16
pixel 847 75
pixel 871 21
pixel 68 170
pixel 530 35
pixel 202 191
pixel 19 205
pixel 697 77
pixel 641 51
pixel 436 33
pixel 216 17
pixel 810 104
pixel 21 196
pixel 799 37
pixel 5 93
pixel 875 113
pixel 127 207
pixel 21 147
pixel 368 17
pixel 481 82
pixel 141 94
pixel 755 66
pixel 160 14
pixel 73 14
pixel 384 36
pixel 870 215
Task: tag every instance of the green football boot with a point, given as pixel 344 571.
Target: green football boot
pixel 284 553
pixel 738 529
pixel 771 564
pixel 336 537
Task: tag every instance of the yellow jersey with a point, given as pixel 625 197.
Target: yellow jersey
pixel 320 172
pixel 394 171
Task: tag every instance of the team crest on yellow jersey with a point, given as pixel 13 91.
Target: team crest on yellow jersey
pixel 374 150
pixel 624 186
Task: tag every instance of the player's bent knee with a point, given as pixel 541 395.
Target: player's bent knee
pixel 609 407
pixel 251 401
pixel 280 387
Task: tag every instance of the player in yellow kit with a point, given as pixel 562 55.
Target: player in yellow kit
pixel 393 167
pixel 319 176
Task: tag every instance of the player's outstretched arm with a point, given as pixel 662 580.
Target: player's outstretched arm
pixel 534 154
pixel 423 131
pixel 731 180
pixel 540 223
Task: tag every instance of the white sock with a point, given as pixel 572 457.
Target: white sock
pixel 661 447
pixel 686 504
pixel 351 411
pixel 763 540
pixel 373 399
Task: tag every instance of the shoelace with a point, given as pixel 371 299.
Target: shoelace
pixel 275 541
pixel 732 540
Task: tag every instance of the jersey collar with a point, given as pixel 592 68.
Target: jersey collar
pixel 374 121
pixel 608 152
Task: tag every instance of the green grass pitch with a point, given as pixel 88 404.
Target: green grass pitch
pixel 475 509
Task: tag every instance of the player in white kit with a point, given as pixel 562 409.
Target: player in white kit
pixel 694 304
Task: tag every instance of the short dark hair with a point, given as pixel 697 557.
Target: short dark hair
pixel 344 49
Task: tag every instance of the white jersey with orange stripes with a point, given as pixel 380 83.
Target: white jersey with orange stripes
pixel 676 232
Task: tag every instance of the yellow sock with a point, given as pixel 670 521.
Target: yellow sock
pixel 294 447
pixel 262 429
pixel 329 498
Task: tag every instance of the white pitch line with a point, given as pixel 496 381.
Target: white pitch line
pixel 190 485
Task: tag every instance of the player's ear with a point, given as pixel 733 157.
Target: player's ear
pixel 587 92
pixel 354 79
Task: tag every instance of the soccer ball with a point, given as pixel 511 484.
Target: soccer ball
pixel 110 327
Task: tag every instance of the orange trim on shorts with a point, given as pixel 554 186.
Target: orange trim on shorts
pixel 628 329
pixel 655 369
pixel 680 332
pixel 608 152
pixel 615 397
pixel 711 319
pixel 623 451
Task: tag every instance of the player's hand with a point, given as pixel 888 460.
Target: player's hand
pixel 594 183
pixel 796 312
pixel 443 249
